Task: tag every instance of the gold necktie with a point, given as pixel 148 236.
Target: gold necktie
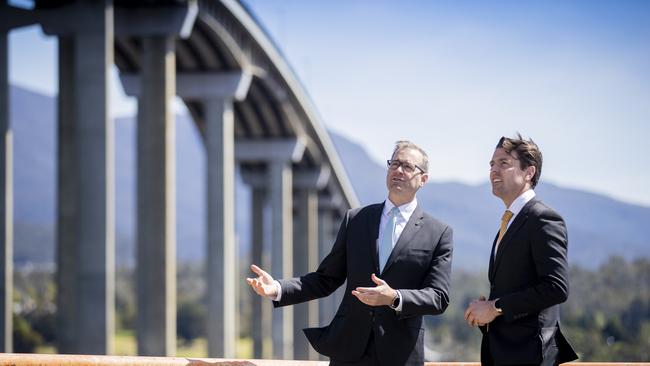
pixel 504 224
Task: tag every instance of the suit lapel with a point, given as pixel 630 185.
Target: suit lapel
pixel 373 232
pixel 506 241
pixel 412 226
pixel 491 266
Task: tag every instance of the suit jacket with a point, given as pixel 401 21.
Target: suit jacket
pixel 530 277
pixel 419 267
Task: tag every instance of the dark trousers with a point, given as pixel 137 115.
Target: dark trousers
pixel 550 358
pixel 369 357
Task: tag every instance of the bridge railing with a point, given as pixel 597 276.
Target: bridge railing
pixel 25 359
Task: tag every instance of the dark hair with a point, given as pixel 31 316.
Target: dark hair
pixel 526 151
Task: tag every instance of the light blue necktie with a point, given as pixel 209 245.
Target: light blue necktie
pixel 387 238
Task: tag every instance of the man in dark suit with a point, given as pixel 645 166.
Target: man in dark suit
pixel 528 269
pixel 397 263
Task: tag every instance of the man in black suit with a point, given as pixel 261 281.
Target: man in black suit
pixel 528 269
pixel 397 263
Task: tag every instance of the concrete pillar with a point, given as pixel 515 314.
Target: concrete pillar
pixel 329 207
pixel 337 296
pixel 281 252
pixel 278 155
pixel 221 260
pixel 326 306
pixel 261 322
pixel 156 248
pixel 155 88
pixel 216 91
pixel 86 241
pixel 93 60
pixel 261 316
pixel 305 259
pixel 68 203
pixel 6 201
pixel 328 227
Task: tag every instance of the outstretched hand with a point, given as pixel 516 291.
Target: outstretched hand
pixel 263 284
pixel 380 295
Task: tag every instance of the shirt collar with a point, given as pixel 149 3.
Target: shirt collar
pixel 521 201
pixel 405 210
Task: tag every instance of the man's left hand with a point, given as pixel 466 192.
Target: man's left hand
pixel 480 312
pixel 380 295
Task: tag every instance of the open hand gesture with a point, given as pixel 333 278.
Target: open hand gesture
pixel 382 294
pixel 263 284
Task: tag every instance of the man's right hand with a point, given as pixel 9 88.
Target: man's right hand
pixel 264 284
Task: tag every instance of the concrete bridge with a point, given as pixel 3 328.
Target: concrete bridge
pixel 251 112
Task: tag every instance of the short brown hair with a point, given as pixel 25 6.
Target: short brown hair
pixel 526 151
pixel 405 144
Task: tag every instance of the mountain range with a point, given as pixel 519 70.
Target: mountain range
pixel 599 226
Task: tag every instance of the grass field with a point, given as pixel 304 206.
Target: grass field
pixel 125 345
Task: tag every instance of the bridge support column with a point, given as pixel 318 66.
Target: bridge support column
pixel 305 259
pixel 67 206
pixel 156 166
pixel 261 316
pixel 217 92
pixel 279 155
pixel 85 223
pixel 156 200
pixel 328 225
pixel 221 261
pixel 262 309
pixel 305 252
pixel 281 252
pixel 326 306
pixel 6 201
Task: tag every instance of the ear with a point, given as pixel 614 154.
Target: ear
pixel 423 179
pixel 530 173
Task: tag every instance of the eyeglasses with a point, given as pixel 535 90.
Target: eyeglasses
pixel 406 166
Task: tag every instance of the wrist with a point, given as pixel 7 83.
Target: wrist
pixel 275 295
pixel 496 307
pixel 395 302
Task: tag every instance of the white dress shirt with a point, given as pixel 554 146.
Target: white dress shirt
pixel 405 212
pixel 518 204
pixel 515 208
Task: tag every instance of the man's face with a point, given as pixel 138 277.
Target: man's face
pixel 506 176
pixel 402 185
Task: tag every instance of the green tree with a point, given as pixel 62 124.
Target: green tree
pixel 25 338
pixel 190 321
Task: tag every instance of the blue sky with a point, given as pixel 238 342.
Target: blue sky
pixel 454 76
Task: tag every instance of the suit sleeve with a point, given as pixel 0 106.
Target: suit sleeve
pixel 432 298
pixel 331 274
pixel 549 250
